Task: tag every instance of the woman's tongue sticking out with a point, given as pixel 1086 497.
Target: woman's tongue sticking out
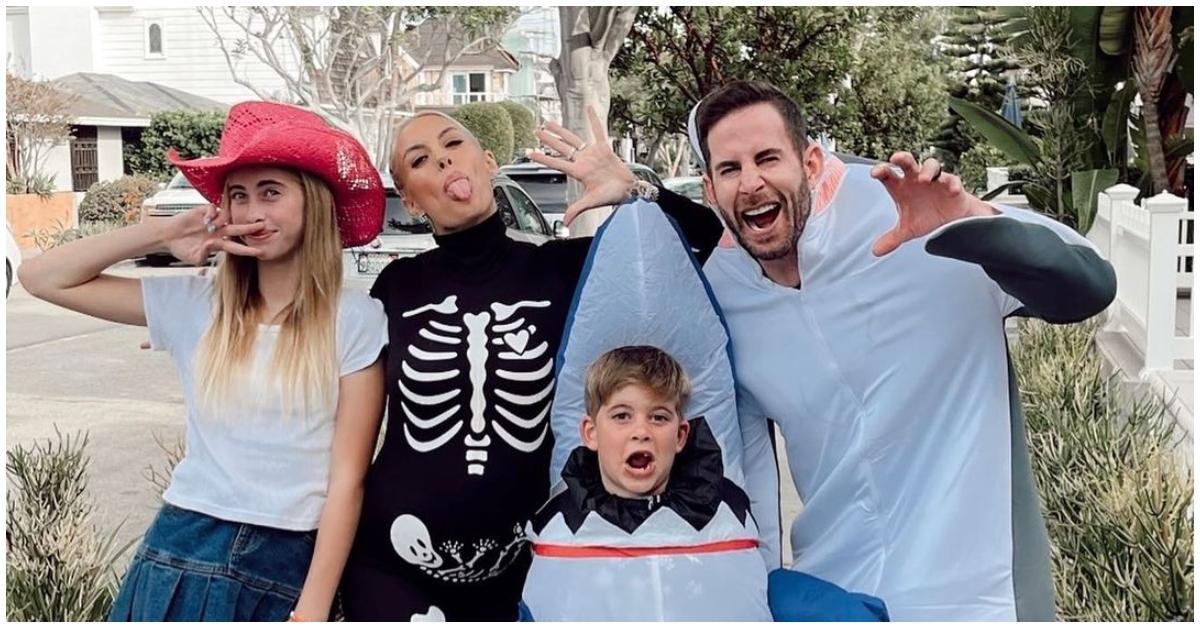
pixel 459 189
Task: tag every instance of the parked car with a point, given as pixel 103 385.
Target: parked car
pixel 548 187
pixel 691 187
pixel 177 197
pixel 405 236
pixel 12 259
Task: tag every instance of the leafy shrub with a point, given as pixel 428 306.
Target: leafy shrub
pixel 36 183
pixel 117 200
pixel 193 133
pixel 522 122
pixel 974 164
pixel 46 239
pixel 491 124
pixel 1116 494
pixel 59 566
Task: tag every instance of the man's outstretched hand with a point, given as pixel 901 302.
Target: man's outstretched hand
pixel 926 198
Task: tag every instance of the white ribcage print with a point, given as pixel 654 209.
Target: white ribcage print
pixel 499 330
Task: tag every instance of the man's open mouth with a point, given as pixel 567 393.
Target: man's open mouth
pixel 762 217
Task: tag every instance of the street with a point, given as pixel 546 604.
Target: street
pixel 73 373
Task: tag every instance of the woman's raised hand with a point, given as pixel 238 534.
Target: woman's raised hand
pixel 605 178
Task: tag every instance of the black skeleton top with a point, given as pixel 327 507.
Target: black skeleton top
pixel 474 328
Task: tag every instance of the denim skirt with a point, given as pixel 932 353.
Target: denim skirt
pixel 193 567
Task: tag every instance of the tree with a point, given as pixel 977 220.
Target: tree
pixel 353 63
pixel 885 105
pixel 490 123
pixel 975 42
pixel 675 56
pixel 1154 57
pixel 37 118
pixel 1081 62
pixel 522 123
pixel 193 133
pixel 591 37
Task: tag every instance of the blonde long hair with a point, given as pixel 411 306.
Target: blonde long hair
pixel 304 362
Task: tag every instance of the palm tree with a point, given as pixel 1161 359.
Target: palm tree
pixel 1153 59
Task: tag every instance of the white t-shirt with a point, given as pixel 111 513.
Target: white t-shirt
pixel 258 465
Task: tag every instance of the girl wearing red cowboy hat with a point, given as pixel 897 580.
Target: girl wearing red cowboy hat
pixel 475 326
pixel 281 369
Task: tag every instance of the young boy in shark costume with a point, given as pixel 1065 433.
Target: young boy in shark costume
pixel 689 552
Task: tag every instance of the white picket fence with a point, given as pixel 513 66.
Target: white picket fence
pixel 1145 245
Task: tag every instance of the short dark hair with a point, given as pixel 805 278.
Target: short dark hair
pixel 636 364
pixel 741 94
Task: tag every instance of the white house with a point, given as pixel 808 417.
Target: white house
pixel 169 46
pixel 110 112
pixel 170 57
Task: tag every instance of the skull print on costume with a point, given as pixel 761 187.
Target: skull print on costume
pixel 429 426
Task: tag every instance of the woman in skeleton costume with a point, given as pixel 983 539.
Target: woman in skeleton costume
pixel 474 328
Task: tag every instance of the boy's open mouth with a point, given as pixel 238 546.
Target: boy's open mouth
pixel 640 463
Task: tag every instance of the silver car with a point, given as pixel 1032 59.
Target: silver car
pixel 177 197
pixel 549 187
pixel 405 236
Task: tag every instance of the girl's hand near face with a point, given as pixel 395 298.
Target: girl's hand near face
pixel 195 234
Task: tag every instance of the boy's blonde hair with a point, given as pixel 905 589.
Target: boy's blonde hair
pixel 644 365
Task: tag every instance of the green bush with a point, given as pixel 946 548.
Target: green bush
pixel 972 167
pixel 59 566
pixel 522 122
pixel 1116 495
pixel 117 200
pixel 46 239
pixel 36 183
pixel 490 123
pixel 193 133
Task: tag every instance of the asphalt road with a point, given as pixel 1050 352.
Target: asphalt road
pixel 76 374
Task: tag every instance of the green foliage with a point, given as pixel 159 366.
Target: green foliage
pixel 1075 142
pixel 974 43
pixel 1116 496
pixel 491 124
pixel 193 133
pixel 59 566
pixel 522 122
pixel 36 183
pixel 117 200
pixel 46 239
pixel 886 106
pixel 972 167
pixel 673 57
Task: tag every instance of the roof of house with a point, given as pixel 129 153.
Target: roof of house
pixel 431 35
pixel 111 96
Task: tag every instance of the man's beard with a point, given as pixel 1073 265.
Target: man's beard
pixel 794 211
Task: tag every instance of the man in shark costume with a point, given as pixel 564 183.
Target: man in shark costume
pixel 866 310
pixel 691 553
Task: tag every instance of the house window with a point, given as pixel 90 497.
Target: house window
pixel 154 40
pixel 469 87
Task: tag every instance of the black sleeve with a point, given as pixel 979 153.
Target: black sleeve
pixel 701 228
pixel 380 287
pixel 1055 280
pixel 567 256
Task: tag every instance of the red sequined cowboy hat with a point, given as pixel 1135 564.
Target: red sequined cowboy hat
pixel 273 134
